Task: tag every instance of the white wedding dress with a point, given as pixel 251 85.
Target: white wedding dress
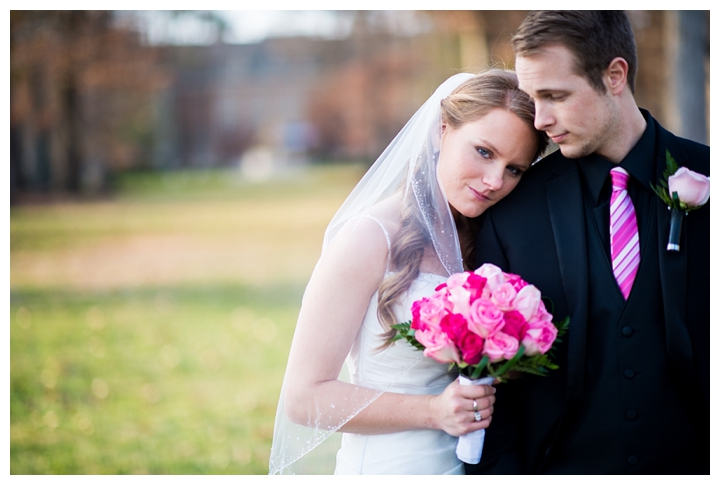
pixel 418 452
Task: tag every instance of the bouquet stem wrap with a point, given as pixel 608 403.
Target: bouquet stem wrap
pixel 470 446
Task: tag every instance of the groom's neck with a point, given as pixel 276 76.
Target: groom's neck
pixel 626 132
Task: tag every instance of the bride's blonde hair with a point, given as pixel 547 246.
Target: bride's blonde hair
pixel 471 100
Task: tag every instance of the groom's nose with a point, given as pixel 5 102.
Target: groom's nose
pixel 543 116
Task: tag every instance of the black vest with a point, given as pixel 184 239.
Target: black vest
pixel 630 392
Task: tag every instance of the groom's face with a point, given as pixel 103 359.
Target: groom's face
pixel 575 116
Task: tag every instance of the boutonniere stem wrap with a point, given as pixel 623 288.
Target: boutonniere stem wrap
pixel 683 191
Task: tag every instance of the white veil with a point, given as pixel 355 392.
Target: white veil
pixel 407 164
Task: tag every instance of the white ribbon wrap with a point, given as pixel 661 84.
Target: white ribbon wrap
pixel 469 447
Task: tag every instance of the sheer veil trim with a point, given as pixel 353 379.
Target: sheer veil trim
pixel 407 166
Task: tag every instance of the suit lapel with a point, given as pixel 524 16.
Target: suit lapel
pixel 565 200
pixel 673 267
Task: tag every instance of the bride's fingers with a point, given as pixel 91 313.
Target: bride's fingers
pixel 475 392
pixel 484 413
pixel 481 403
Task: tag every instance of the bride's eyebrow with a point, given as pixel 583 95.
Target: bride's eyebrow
pixel 487 144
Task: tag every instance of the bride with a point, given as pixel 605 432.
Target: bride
pixel 403 230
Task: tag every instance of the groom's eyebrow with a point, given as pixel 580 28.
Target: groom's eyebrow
pixel 540 92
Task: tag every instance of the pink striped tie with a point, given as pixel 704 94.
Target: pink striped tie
pixel 624 240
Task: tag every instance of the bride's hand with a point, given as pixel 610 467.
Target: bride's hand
pixel 453 409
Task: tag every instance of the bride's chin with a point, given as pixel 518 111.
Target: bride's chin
pixel 469 213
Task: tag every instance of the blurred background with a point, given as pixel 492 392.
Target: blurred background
pixel 171 176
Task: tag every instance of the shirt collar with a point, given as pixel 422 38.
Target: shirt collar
pixel 639 162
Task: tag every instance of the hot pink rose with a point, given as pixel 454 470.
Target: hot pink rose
pixel 454 325
pixel 475 285
pixel 692 188
pixel 437 345
pixel 427 312
pixel 504 296
pixel 539 337
pixel 484 317
pixel 527 301
pixel 515 324
pixel 471 347
pixel 515 280
pixel 469 344
pixel 501 346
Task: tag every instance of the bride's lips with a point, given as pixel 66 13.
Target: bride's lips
pixel 479 196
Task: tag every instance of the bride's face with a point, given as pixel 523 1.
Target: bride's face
pixel 481 161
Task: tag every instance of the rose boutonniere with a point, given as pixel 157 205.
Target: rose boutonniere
pixel 683 191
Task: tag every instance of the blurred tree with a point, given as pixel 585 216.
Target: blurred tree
pixel 691 68
pixel 80 105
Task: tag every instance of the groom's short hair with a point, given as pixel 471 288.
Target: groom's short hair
pixel 595 37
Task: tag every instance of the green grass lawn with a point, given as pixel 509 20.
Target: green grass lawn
pixel 149 332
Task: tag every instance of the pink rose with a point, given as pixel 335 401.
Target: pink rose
pixel 515 280
pixel 427 312
pixel 503 296
pixel 458 294
pixel 540 315
pixel 539 337
pixel 527 301
pixel 438 345
pixel 492 274
pixel 484 318
pixel 693 189
pixel 457 280
pixel 515 324
pixel 501 346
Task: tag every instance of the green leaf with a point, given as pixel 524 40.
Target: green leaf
pixel 505 367
pixel 479 367
pixel 671 163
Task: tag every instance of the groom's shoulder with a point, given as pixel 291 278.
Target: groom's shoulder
pixel 698 155
pixel 527 196
pixel 544 170
pixel 694 155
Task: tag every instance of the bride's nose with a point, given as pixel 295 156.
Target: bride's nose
pixel 493 180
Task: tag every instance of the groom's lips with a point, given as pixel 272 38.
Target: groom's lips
pixel 558 138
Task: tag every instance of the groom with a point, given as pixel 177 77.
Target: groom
pixel 633 390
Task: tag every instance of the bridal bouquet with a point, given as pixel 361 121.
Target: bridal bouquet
pixel 487 324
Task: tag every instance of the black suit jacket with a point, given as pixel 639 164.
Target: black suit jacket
pixel 538 232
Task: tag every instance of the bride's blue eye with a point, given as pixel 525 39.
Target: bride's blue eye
pixel 515 171
pixel 484 153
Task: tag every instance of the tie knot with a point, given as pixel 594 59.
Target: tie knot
pixel 619 178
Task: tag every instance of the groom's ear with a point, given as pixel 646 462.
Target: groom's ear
pixel 616 75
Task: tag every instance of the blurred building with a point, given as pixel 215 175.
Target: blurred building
pixel 88 98
pixel 298 97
